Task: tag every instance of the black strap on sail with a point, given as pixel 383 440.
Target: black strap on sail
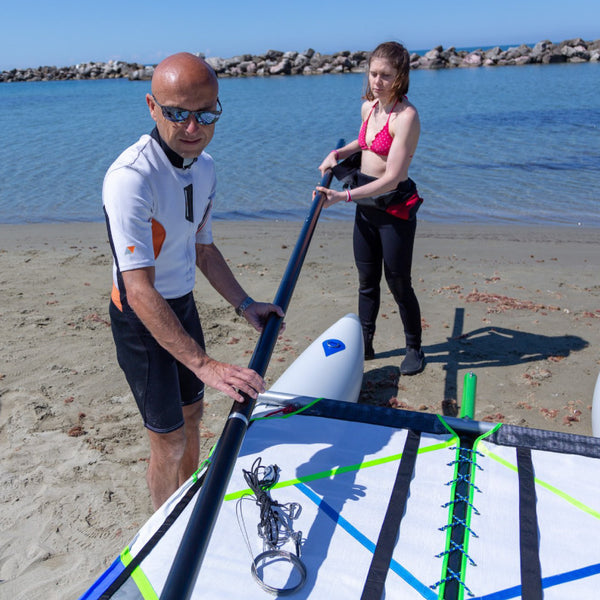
pixel 380 564
pixel 531 570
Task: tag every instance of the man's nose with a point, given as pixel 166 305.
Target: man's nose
pixel 191 125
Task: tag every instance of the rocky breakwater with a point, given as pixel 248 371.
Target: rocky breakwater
pixel 313 63
pixel 544 52
pixel 310 62
pixel 92 70
pixel 275 62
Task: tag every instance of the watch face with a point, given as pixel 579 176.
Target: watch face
pixel 243 306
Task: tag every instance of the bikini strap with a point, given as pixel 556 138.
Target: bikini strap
pixel 371 111
pixel 391 111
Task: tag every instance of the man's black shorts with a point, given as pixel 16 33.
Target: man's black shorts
pixel 160 384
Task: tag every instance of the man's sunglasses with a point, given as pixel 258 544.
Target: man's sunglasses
pixel 180 115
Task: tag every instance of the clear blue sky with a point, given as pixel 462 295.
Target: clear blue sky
pixel 62 33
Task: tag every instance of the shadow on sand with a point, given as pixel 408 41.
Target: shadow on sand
pixel 480 348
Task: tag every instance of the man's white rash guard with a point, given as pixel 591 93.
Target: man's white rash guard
pixel 156 213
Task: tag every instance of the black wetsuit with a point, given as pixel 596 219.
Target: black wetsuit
pixel 383 242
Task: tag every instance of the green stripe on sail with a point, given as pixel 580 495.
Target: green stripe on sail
pixel 464 565
pixel 551 488
pixel 340 470
pixel 203 465
pixel 139 577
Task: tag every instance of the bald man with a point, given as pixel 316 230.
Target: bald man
pixel 157 199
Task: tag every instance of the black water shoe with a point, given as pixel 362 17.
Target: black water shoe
pixel 413 363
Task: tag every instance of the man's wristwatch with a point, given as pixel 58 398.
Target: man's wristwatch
pixel 241 309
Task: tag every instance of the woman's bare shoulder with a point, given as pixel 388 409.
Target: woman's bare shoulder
pixel 405 111
pixel 366 106
pixel 405 120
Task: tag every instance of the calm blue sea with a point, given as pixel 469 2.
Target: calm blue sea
pixel 499 145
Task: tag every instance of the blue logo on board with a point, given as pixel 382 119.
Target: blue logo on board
pixel 333 347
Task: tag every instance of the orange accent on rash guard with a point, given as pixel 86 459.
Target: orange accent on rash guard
pixel 115 296
pixel 158 237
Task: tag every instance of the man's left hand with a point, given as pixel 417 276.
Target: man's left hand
pixel 258 313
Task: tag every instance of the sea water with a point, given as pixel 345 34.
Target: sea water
pixel 498 145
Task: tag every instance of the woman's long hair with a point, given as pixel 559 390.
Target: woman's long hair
pixel 397 55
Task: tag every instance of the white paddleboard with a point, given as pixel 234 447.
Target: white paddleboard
pixel 331 367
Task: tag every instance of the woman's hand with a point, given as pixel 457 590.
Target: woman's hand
pixel 331 196
pixel 329 162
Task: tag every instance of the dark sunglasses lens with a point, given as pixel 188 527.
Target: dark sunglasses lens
pixel 175 114
pixel 206 118
pixel 210 116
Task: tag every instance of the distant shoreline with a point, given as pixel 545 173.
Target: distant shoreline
pixel 310 62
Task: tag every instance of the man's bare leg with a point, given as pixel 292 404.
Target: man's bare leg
pixel 192 415
pixel 174 456
pixel 166 452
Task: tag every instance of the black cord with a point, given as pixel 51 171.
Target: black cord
pixel 274 526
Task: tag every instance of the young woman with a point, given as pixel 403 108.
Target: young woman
pixel 374 170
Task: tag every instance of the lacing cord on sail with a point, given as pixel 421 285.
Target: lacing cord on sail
pixel 456 521
pixel 457 547
pixel 465 500
pixel 462 506
pixel 453 576
pixel 274 527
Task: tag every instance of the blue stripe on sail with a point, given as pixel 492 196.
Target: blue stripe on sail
pixel 104 581
pixel 366 542
pixel 547 582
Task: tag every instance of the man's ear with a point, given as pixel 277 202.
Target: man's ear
pixel 151 106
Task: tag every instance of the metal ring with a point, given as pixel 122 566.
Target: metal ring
pixel 288 556
pixel 240 416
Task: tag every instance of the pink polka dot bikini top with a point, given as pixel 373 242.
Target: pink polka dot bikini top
pixel 382 142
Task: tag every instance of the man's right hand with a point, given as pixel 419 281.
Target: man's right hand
pixel 231 379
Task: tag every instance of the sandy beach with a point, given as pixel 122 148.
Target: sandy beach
pixel 517 306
